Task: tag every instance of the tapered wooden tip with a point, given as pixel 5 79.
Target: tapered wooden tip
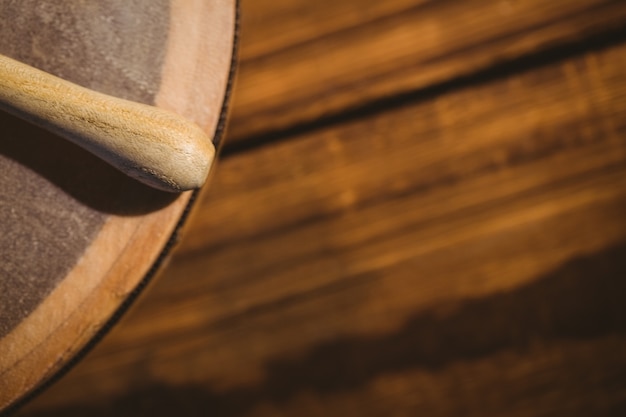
pixel 152 145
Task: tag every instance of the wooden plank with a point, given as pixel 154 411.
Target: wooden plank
pixel 458 255
pixel 429 143
pixel 304 60
pixel 283 24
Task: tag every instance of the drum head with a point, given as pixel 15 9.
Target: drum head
pixel 78 238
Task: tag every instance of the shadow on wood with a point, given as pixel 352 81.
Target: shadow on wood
pixel 564 306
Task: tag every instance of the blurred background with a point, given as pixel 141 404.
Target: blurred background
pixel 420 209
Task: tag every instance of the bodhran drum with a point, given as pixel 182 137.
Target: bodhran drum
pixel 77 237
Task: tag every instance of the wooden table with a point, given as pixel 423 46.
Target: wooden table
pixel 420 210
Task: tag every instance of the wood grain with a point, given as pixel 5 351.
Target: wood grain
pixel 412 45
pixel 455 252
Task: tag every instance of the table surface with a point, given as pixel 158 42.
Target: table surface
pixel 420 209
